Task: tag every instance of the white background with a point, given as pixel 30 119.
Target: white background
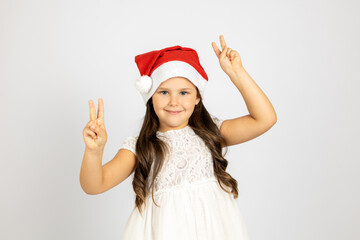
pixel 300 180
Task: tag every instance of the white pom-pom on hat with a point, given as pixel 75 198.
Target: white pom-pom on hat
pixel 143 84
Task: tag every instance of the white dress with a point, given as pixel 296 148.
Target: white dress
pixel 192 204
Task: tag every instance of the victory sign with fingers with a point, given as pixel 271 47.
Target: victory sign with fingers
pixel 94 133
pixel 229 59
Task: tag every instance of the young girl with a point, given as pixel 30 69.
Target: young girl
pixel 182 188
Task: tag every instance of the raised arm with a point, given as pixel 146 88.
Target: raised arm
pixel 262 114
pixel 95 137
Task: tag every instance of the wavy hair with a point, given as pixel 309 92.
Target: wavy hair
pixel 152 150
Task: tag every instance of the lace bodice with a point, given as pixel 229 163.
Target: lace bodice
pixel 190 160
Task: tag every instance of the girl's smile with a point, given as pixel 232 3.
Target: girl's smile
pixel 173 112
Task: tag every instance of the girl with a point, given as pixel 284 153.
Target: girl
pixel 182 188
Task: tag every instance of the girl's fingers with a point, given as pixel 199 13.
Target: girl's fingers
pixel 98 129
pixel 90 133
pixel 90 123
pixel 222 42
pixel 92 110
pixel 232 54
pixel 225 50
pixel 90 126
pixel 101 108
pixel 228 52
pixel 93 125
pixel 223 53
pixel 94 132
pixel 216 49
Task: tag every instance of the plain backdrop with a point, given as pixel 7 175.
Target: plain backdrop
pixel 300 180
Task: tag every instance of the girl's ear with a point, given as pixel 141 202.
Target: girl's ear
pixel 197 101
pixel 198 97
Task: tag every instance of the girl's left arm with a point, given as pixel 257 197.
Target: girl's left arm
pixel 262 114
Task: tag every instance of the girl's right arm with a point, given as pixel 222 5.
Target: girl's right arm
pixel 95 178
pixel 91 172
pixel 95 137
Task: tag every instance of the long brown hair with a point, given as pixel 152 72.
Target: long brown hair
pixel 151 149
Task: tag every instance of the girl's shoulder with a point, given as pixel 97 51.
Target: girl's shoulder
pixel 129 143
pixel 218 121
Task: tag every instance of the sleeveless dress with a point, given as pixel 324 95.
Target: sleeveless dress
pixel 192 205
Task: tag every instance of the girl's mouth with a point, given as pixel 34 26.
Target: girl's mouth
pixel 172 112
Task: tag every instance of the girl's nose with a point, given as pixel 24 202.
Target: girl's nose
pixel 173 100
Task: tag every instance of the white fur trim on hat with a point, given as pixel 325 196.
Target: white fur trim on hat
pixel 174 69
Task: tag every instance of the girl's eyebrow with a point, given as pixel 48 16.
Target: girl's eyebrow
pixel 179 89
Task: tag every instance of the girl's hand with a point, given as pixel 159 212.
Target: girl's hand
pixel 94 133
pixel 229 59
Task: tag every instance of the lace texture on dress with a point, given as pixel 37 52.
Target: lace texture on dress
pixel 190 160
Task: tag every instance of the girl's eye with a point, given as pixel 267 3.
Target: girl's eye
pixel 181 92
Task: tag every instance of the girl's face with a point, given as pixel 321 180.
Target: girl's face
pixel 174 102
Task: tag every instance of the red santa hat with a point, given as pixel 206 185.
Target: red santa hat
pixel 157 66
